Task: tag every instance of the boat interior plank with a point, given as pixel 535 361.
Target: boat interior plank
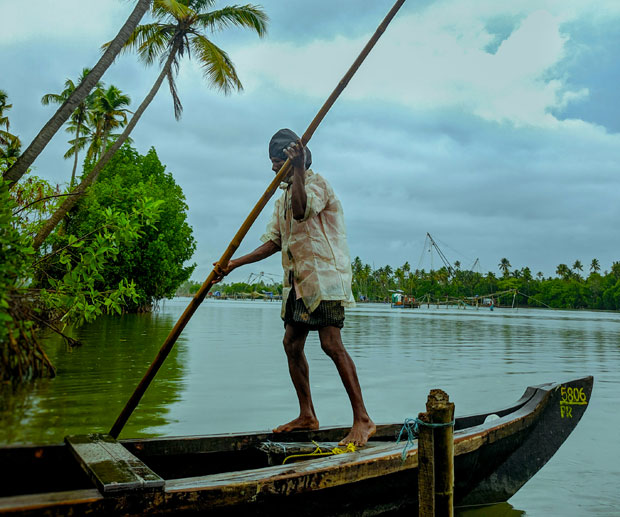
pixel 111 467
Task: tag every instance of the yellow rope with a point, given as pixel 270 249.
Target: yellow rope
pixel 318 452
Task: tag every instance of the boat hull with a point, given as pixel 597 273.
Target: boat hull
pixel 229 474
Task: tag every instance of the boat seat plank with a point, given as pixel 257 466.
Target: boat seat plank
pixel 111 467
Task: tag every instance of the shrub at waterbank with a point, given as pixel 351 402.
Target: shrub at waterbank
pixel 85 267
pixel 27 308
pixel 155 262
pixel 20 354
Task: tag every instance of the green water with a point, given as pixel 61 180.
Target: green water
pixel 228 373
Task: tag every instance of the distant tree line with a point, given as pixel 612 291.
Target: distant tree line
pixel 570 289
pixel 190 287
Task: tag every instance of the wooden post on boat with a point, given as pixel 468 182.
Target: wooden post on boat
pixel 426 469
pixel 436 457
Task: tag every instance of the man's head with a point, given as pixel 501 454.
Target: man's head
pixel 280 141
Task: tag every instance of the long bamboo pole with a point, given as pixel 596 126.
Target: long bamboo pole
pixel 243 230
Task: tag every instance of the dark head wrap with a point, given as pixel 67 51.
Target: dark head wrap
pixel 280 141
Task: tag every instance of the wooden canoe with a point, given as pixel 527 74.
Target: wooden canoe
pixel 238 474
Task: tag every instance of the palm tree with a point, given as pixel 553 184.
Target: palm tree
pixel 504 266
pixel 78 118
pixel 176 32
pixel 90 139
pixel 105 112
pixel 407 271
pixel 19 168
pixel 563 271
pixel 400 278
pixel 595 266
pixel 5 136
pixel 109 112
pixel 4 106
pixel 11 149
pixel 9 143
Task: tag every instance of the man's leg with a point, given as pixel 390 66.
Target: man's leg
pixel 363 427
pixel 294 342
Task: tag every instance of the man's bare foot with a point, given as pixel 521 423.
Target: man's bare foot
pixel 360 433
pixel 307 423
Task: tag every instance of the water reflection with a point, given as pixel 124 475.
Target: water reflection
pixel 496 510
pixel 95 380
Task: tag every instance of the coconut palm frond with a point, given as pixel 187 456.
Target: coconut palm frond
pixel 4 121
pixel 7 138
pixel 201 5
pixel 10 145
pixel 115 136
pixel 85 72
pixel 178 107
pixel 76 147
pixel 52 98
pixel 156 45
pixel 170 8
pixel 216 66
pixel 249 16
pixel 69 87
pixel 138 39
pixel 4 106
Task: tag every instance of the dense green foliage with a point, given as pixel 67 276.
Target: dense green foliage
pixel 15 255
pixel 76 276
pixel 70 296
pixel 155 262
pixel 570 290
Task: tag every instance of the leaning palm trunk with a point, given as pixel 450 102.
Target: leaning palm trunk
pixel 14 173
pixel 80 190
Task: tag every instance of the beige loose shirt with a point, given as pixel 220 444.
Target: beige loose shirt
pixel 315 247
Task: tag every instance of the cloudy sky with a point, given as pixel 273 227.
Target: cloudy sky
pixel 492 125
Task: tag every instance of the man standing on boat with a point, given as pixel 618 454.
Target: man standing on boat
pixel 308 227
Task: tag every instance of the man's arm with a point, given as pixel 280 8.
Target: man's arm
pixel 260 253
pixel 295 152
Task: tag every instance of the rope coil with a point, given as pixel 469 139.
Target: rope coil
pixel 319 452
pixel 412 427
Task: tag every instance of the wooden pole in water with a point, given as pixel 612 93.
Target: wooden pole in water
pixel 436 457
pixel 236 242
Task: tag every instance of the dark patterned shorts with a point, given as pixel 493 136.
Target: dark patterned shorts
pixel 327 314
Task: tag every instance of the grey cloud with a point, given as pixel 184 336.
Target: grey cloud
pixel 487 190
